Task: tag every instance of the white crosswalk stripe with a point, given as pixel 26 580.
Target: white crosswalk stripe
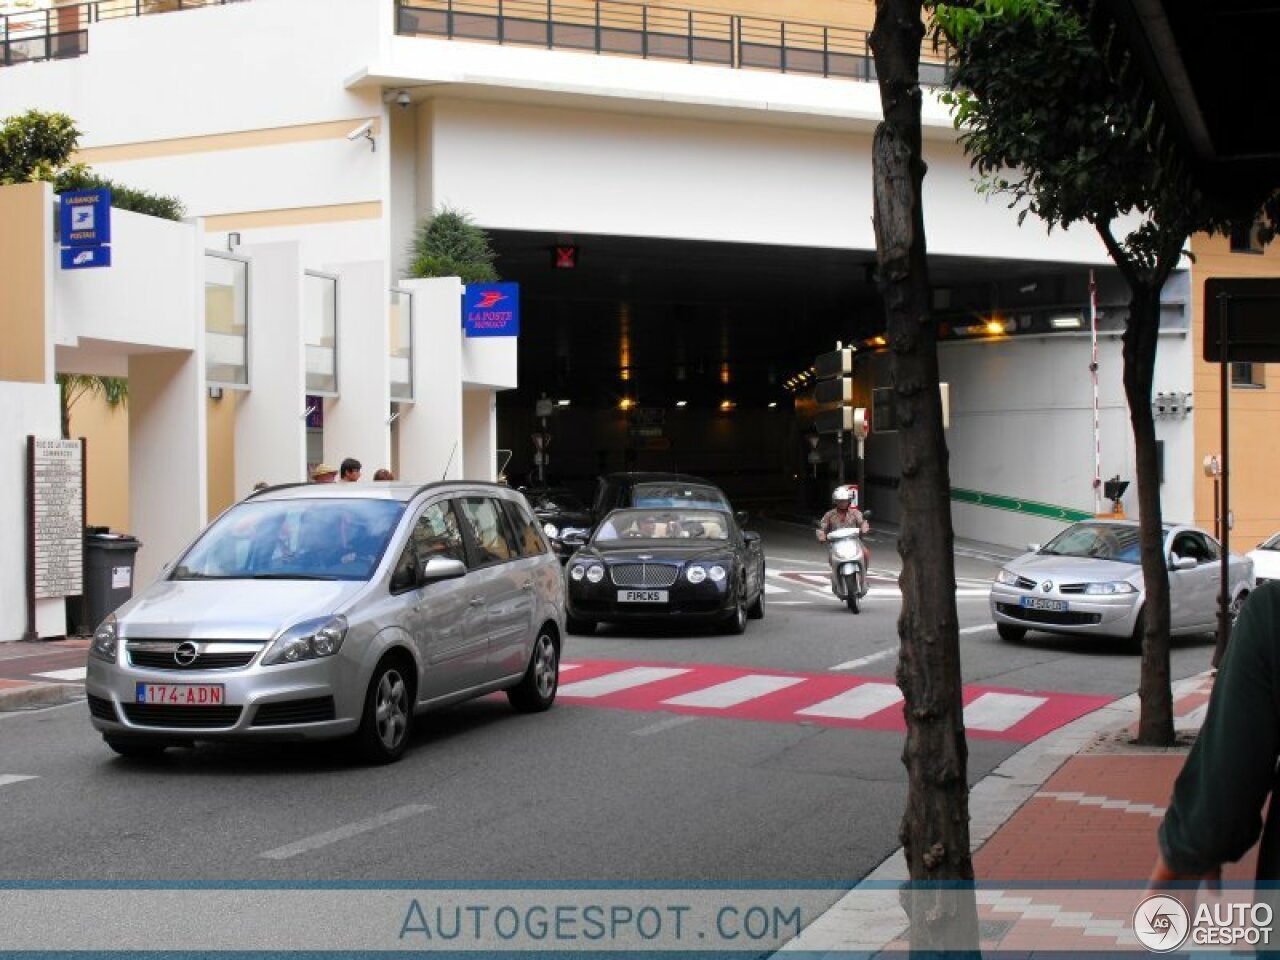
pixel 999 711
pixel 8 778
pixel 75 673
pixel 856 704
pixel 621 680
pixel 733 692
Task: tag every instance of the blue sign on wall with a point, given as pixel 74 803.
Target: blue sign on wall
pixel 78 258
pixel 86 218
pixel 491 310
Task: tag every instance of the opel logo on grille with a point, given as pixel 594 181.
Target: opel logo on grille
pixel 1047 586
pixel 185 654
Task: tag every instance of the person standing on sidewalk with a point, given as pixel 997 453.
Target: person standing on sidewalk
pixel 1215 815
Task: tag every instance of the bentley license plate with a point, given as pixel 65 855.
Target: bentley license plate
pixel 181 694
pixel 642 596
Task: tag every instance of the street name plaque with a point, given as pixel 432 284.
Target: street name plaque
pixel 55 508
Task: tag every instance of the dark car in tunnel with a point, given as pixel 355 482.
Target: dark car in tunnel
pixel 616 491
pixel 560 513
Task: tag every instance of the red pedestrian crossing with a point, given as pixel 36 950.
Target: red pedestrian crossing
pixel 833 700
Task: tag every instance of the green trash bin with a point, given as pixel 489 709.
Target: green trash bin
pixel 108 573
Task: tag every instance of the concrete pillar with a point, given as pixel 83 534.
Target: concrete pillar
pixel 480 433
pixel 271 425
pixel 168 479
pixel 355 422
pixel 431 435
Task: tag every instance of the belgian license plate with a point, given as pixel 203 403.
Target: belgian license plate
pixel 181 694
pixel 1040 603
pixel 642 596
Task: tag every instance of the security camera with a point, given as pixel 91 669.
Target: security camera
pixel 403 98
pixel 363 130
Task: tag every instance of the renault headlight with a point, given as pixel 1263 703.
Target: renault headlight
pixel 1007 577
pixel 106 640
pixel 308 641
pixel 695 574
pixel 1110 588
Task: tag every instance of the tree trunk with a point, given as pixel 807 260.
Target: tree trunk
pixel 1155 721
pixel 935 825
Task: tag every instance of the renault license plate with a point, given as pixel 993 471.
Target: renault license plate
pixel 1040 603
pixel 181 694
pixel 642 596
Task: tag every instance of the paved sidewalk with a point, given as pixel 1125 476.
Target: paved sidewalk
pixel 1064 834
pixel 42 673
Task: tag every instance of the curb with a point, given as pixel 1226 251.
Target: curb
pixel 869 917
pixel 36 695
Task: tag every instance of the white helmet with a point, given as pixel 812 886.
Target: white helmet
pixel 842 495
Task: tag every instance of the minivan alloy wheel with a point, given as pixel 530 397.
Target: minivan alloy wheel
pixel 545 670
pixel 391 709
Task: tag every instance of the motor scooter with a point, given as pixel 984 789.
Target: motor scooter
pixel 848 566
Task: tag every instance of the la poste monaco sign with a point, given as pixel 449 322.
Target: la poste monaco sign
pixel 85 227
pixel 491 310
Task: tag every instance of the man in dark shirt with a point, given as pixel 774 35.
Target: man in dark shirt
pixel 1216 812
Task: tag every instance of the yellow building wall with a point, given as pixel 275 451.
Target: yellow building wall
pixel 24 214
pixel 1254 413
pixel 106 433
pixel 222 451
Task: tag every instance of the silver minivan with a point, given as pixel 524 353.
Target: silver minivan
pixel 334 610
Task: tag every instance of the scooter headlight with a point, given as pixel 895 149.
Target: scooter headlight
pixel 846 549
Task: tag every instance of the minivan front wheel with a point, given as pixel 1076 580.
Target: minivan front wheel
pixel 536 690
pixel 388 715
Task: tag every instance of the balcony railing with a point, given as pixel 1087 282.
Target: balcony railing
pixel 63 31
pixel 657 33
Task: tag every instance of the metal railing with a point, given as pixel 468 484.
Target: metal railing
pixel 63 31
pixel 659 33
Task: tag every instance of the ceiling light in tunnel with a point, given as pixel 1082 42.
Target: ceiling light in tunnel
pixel 682 403
pixel 997 327
pixel 563 403
pixel 1066 323
pixel 626 403
pixel 773 403
pixel 727 405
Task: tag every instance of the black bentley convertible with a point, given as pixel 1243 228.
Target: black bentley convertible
pixel 667 563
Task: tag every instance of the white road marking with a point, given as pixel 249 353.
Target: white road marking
pixel 346 832
pixel 621 680
pixel 999 711
pixel 980 628
pixel 8 778
pixel 856 704
pixel 790 603
pixel 733 692
pixel 661 725
pixel 772 588
pixel 869 658
pixel 75 673
pixel 569 666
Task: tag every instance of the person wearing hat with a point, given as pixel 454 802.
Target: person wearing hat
pixel 323 473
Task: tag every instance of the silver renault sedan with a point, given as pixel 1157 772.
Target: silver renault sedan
pixel 1088 580
pixel 316 611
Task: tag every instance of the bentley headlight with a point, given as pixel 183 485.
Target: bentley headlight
pixel 1110 588
pixel 105 640
pixel 716 572
pixel 1007 577
pixel 577 572
pixel 695 574
pixel 308 641
pixel 595 573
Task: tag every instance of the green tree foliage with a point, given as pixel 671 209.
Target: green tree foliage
pixel 448 244
pixel 1045 123
pixel 38 146
pixel 73 387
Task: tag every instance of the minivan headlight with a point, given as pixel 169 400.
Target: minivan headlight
pixel 1110 588
pixel 308 641
pixel 1007 577
pixel 106 640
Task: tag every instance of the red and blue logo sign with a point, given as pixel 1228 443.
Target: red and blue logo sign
pixel 491 310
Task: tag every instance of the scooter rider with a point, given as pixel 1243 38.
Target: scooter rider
pixel 841 515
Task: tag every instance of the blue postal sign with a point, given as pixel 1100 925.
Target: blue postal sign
pixel 78 258
pixel 491 310
pixel 86 218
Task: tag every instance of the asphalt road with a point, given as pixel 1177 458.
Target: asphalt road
pixel 623 790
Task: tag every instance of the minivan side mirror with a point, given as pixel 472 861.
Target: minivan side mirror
pixel 1033 548
pixel 433 569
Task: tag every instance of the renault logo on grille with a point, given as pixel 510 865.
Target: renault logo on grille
pixel 185 654
pixel 1047 586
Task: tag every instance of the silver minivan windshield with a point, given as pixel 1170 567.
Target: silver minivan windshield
pixel 304 539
